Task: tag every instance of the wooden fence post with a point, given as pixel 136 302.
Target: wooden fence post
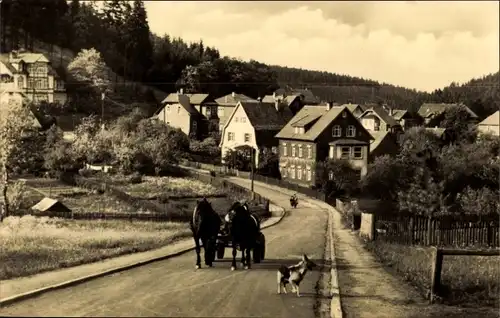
pixel 429 231
pixel 436 273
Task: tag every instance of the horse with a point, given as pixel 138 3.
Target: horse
pixel 244 229
pixel 205 225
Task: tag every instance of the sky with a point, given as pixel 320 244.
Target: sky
pixel 421 45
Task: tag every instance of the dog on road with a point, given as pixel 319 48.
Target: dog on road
pixel 294 274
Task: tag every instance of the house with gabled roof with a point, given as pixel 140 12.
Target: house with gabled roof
pixel 385 130
pixel 405 118
pixel 317 133
pixel 433 113
pixel 32 74
pixel 254 125
pixel 306 95
pixel 178 112
pixel 226 105
pixel 293 102
pixel 491 125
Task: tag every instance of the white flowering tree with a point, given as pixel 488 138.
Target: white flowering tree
pixel 14 121
pixel 89 67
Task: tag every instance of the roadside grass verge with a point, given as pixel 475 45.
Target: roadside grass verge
pixel 31 245
pixel 470 281
pixel 164 187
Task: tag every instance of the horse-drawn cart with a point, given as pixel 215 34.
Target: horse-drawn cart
pixel 224 240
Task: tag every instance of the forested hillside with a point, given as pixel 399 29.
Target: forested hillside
pixel 120 31
pixel 482 95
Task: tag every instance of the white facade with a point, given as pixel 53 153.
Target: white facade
pixel 238 132
pixel 30 74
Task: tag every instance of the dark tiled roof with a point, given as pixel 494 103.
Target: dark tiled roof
pixel 348 142
pixel 264 116
pixel 382 114
pixel 429 109
pixel 379 137
pixel 397 114
pixel 230 100
pixel 309 97
pixel 197 99
pixel 308 113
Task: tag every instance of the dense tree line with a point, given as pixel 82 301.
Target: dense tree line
pixel 119 30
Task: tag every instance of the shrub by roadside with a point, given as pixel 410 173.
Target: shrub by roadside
pixel 31 244
pixel 466 280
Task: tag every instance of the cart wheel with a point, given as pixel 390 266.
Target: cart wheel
pixel 220 251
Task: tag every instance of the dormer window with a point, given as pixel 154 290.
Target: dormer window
pixel 344 114
pixel 299 130
pixel 336 131
pixel 351 131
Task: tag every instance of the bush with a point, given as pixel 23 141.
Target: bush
pixel 136 178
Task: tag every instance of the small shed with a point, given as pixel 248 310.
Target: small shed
pixel 50 205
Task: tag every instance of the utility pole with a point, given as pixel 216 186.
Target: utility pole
pixel 252 165
pixel 103 95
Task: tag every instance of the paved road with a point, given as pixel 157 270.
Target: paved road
pixel 174 288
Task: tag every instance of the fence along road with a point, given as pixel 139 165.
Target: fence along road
pixel 174 288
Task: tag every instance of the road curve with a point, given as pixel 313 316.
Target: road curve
pixel 174 288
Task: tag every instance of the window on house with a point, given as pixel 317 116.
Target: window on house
pixel 247 137
pixel 195 124
pixel 230 136
pixel 300 151
pixel 309 175
pixel 351 131
pixel 292 170
pixel 20 82
pixel 358 152
pixel 243 119
pixel 296 130
pixel 168 109
pixel 336 131
pixel 330 175
pixel 345 152
pixel 344 114
pixel 299 173
pixel 41 97
pixel 274 150
pixel 284 150
pixel 236 119
pixel 309 152
pixel 293 150
pixel 38 83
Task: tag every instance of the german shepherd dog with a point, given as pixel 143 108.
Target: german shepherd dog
pixel 294 274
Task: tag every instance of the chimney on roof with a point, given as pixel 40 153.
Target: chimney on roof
pixel 233 94
pixel 391 112
pixel 274 95
pixel 329 105
pixel 259 99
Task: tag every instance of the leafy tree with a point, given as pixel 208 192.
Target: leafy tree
pixel 269 164
pixel 425 196
pixel 198 78
pixel 456 121
pixel 14 121
pixel 237 159
pixel 337 178
pixel 89 67
pixel 58 154
pixel 482 201
pixel 385 178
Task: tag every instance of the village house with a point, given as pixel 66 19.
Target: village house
pixel 226 105
pixel 405 118
pixel 385 130
pixel 33 75
pixel 356 109
pixel 39 122
pixel 491 125
pixel 178 112
pixel 316 133
pixel 254 125
pixel 293 102
pixel 307 97
pixel 433 113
